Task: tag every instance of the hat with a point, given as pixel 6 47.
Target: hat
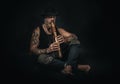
pixel 49 12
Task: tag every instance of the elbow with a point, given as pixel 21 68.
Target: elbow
pixel 32 49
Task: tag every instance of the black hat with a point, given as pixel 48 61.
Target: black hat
pixel 50 12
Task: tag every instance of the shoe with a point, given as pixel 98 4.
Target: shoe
pixel 85 68
pixel 67 70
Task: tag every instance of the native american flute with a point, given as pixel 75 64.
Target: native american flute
pixel 55 37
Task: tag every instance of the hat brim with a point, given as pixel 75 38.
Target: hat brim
pixel 49 12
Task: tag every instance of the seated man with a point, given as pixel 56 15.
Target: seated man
pixel 46 47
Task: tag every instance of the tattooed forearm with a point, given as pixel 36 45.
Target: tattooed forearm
pixel 35 43
pixel 39 51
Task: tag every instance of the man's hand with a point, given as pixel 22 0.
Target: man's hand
pixel 53 47
pixel 60 39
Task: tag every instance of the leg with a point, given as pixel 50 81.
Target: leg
pixel 56 63
pixel 74 52
pixel 50 61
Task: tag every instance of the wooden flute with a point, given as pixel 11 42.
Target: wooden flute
pixel 55 38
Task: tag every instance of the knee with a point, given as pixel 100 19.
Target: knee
pixel 74 41
pixel 75 46
pixel 45 59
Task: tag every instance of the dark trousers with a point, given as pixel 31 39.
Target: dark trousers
pixel 73 54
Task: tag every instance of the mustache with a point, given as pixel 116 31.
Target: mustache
pixel 53 21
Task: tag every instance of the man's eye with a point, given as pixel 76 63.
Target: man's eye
pixel 51 17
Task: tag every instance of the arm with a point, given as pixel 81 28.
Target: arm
pixel 34 43
pixel 68 36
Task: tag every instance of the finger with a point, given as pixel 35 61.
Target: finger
pixel 55 47
pixel 61 41
pixel 60 37
pixel 55 43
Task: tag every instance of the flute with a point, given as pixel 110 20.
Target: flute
pixel 55 38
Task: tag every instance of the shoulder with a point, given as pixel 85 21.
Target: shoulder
pixel 36 30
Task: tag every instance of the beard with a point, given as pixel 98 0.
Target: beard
pixel 48 24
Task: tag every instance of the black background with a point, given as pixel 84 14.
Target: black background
pixel 91 20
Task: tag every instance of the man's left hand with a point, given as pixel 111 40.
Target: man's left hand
pixel 60 39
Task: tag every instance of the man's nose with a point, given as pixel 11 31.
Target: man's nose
pixel 52 18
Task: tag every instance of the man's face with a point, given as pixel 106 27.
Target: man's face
pixel 49 19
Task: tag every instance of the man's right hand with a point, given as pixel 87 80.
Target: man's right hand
pixel 53 47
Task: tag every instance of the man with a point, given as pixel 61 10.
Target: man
pixel 43 45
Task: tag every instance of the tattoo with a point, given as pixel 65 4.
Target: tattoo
pixel 38 51
pixel 42 51
pixel 35 38
pixel 35 43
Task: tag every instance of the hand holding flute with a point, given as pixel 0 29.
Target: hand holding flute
pixel 58 39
